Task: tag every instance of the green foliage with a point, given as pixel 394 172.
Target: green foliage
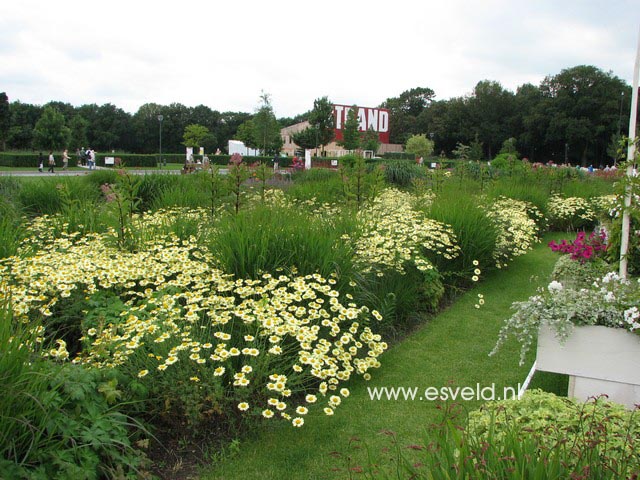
pixel 538 437
pixel 122 201
pixel 262 174
pixel 236 176
pixel 11 228
pixel 462 151
pixel 195 135
pixel 370 140
pixel 39 197
pixel 78 134
pixel 265 127
pixel 402 173
pixel 5 120
pixel 265 239
pixel 420 146
pixel 306 139
pixel 509 147
pixel 322 121
pixel 50 131
pixel 476 151
pixel 475 233
pixel 359 184
pixel 323 185
pixel 350 131
pixel 575 274
pixel 519 189
pixel 60 421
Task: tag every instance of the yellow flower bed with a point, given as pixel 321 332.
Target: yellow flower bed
pixel 516 221
pixel 276 336
pixel 394 233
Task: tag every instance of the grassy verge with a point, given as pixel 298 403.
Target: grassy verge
pixel 450 350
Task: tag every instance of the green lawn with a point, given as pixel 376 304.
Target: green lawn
pixel 450 350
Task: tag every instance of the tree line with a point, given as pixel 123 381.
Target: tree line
pixel 576 115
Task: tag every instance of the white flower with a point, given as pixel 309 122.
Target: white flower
pixel 554 287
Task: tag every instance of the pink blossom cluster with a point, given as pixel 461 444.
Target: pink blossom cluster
pixel 582 248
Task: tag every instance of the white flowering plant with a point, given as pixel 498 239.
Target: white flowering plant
pixel 611 301
pixel 269 346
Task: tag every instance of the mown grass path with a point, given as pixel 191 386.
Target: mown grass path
pixel 448 351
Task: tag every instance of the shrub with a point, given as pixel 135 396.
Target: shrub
pixel 517 226
pixel 257 340
pixel 270 238
pixel 59 421
pixel 475 232
pixel 403 173
pixel 540 436
pixel 573 213
pixel 611 302
pixel 577 274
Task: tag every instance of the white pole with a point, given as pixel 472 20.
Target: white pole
pixel 631 151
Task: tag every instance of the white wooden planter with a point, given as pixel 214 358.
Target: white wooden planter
pixel 599 360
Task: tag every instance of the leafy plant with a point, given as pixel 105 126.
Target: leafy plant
pixel 538 437
pixel 611 302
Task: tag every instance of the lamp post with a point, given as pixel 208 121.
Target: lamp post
pixel 566 153
pixel 160 118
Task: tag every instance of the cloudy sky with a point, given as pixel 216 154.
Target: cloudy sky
pixel 224 53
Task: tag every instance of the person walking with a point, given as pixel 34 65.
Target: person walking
pixel 65 159
pixel 52 162
pixel 40 162
pixel 92 156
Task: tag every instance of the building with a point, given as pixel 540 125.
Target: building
pixel 374 118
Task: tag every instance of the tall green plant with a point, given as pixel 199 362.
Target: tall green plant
pixel 359 184
pixel 237 174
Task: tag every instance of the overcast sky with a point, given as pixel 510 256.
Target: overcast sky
pixel 223 53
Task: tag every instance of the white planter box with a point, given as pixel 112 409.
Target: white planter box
pixel 599 360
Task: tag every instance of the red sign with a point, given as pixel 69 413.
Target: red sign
pixel 376 119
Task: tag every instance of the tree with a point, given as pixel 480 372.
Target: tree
pixel 350 134
pixel 582 106
pixel 23 118
pixel 195 135
pixel 404 111
pixel 50 131
pixel 78 126
pixel 306 139
pixel 322 120
pixel 146 129
pixel 509 147
pixel 419 145
pixel 246 134
pixel 5 120
pixel 370 140
pixel 491 110
pixel 266 129
pixel 476 152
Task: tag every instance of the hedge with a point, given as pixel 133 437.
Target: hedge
pixel 30 160
pixel 398 156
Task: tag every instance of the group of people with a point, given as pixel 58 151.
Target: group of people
pixel 86 157
pixel 52 161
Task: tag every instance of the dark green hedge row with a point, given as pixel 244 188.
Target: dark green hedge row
pixel 398 156
pixel 30 160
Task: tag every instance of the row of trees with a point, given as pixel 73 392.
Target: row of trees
pixel 106 127
pixel 575 114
